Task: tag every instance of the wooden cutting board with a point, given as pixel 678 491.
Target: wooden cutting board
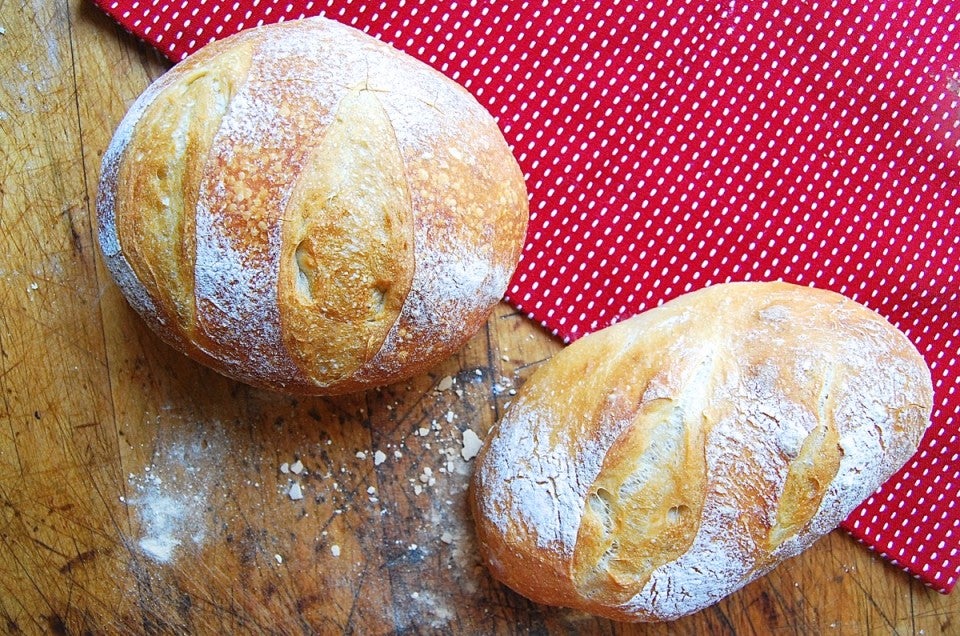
pixel 141 493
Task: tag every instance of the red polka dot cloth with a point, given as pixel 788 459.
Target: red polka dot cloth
pixel 671 145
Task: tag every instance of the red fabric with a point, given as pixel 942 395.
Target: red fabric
pixel 670 145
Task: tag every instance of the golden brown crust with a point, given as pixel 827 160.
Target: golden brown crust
pixel 656 466
pixel 306 209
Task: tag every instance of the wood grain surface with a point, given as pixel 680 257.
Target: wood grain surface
pixel 141 493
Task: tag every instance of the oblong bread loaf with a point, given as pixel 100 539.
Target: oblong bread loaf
pixel 656 466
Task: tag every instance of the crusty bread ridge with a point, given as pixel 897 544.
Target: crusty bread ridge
pixel 305 208
pixel 656 466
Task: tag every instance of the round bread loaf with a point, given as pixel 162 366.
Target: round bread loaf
pixel 654 467
pixel 306 209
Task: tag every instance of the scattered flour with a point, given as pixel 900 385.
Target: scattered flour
pixel 170 498
pixel 425 609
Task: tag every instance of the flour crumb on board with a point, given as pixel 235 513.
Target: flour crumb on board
pixel 471 445
pixel 427 476
pixel 292 488
pixel 295 491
